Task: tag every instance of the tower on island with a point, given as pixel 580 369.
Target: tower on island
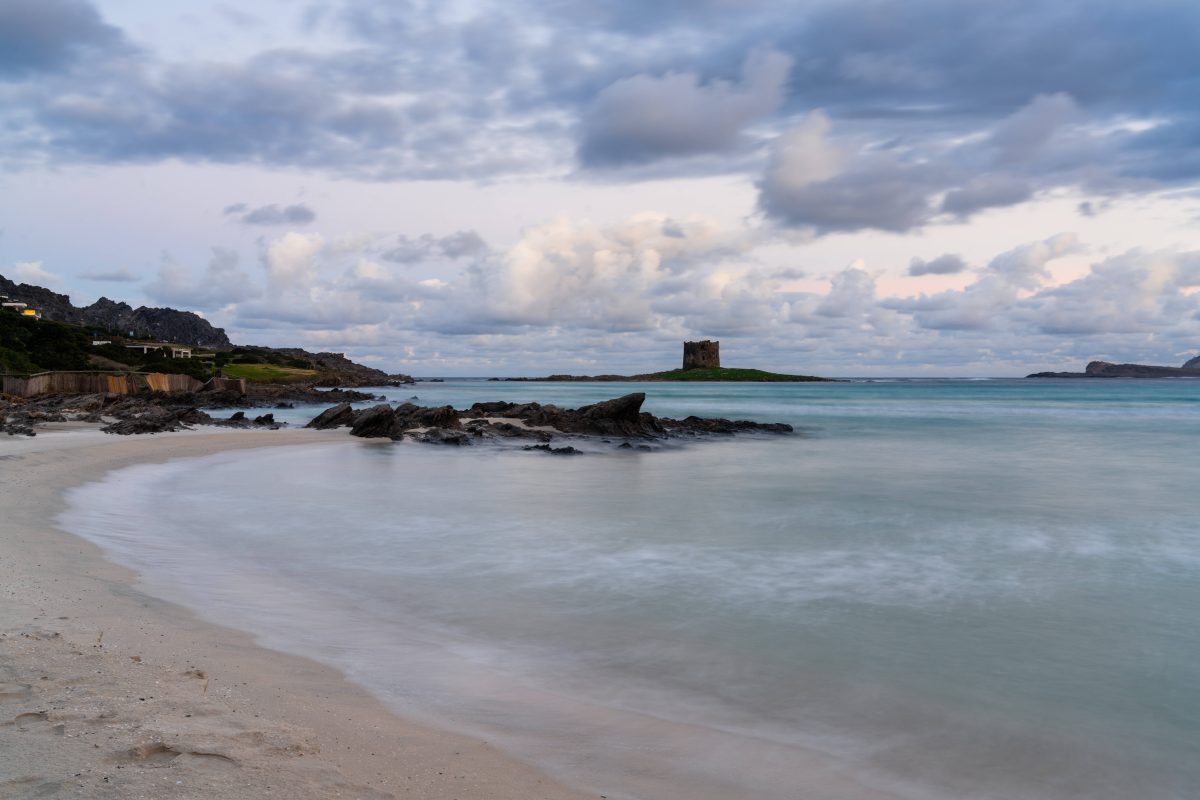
pixel 701 355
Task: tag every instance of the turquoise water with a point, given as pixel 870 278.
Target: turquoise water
pixel 936 589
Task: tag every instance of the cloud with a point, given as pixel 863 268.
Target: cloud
pixel 223 283
pixel 32 272
pixel 644 118
pixel 813 183
pixel 948 264
pixel 298 214
pixel 1026 266
pixel 987 191
pixel 373 91
pixel 461 244
pixel 122 275
pixel 46 35
pixel 614 278
pixel 1020 137
pixel 585 297
pixel 291 261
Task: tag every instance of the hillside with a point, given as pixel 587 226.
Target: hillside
pixel 166 324
pixel 29 345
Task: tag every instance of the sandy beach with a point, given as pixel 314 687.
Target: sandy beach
pixel 106 692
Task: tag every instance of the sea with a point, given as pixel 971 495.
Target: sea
pixel 933 589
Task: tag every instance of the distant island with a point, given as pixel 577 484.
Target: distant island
pixel 701 362
pixel 1106 369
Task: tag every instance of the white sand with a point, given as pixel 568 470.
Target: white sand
pixel 106 692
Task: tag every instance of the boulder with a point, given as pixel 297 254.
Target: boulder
pixel 335 417
pixel 373 423
pixel 153 420
pixel 554 451
pixel 443 436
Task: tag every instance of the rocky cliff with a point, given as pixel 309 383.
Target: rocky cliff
pixel 1106 369
pixel 183 327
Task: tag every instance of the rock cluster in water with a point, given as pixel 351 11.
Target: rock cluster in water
pixel 620 418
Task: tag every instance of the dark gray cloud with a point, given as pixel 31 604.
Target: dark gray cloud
pixel 45 35
pixel 948 264
pixel 1013 103
pixel 645 118
pixel 298 214
pixel 122 275
pixel 461 244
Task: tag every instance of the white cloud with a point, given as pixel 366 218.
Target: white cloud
pixel 222 283
pixel 32 272
pixel 291 261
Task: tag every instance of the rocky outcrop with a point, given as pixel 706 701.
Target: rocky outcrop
pixel 339 416
pixel 376 422
pixel 619 418
pixel 162 324
pixel 1106 369
pixel 166 324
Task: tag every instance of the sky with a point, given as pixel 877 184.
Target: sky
pixel 463 187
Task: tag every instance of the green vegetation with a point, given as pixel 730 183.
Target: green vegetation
pixel 268 373
pixel 726 374
pixel 177 366
pixel 32 345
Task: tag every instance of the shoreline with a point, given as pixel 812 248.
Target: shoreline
pixel 108 692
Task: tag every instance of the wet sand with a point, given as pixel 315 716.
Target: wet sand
pixel 107 692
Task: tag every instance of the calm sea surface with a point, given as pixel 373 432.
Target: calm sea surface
pixel 936 589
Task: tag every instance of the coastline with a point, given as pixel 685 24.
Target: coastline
pixel 107 692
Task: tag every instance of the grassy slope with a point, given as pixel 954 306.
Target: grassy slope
pixel 269 373
pixel 725 374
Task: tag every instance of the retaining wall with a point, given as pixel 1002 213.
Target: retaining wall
pixel 112 383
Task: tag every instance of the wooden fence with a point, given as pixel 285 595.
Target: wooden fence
pixel 112 383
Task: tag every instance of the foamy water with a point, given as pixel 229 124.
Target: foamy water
pixel 937 590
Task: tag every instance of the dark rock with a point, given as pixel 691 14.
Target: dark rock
pixel 443 436
pixel 153 420
pixel 337 416
pixel 193 416
pixel 238 416
pixel 718 425
pixel 285 405
pixel 265 419
pixel 556 451
pixel 376 422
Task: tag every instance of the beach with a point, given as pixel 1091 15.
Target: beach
pixel 931 590
pixel 107 692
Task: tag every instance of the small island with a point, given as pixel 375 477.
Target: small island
pixel 1106 369
pixel 701 362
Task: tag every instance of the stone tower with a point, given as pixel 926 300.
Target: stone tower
pixel 701 355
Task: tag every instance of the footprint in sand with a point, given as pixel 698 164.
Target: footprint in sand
pixel 160 754
pixel 14 691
